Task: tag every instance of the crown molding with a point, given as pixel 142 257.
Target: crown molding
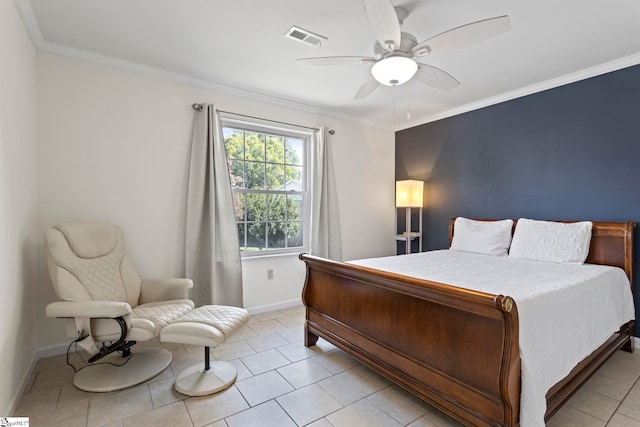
pixel 217 86
pixel 584 74
pixel 31 24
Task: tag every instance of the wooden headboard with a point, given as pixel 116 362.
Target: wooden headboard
pixel 611 244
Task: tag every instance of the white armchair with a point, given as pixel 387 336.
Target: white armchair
pixel 107 306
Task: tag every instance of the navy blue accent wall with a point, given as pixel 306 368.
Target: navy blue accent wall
pixel 568 153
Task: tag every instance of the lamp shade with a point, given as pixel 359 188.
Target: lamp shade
pixel 409 194
pixel 394 70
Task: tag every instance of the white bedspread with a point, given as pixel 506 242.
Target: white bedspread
pixel 566 311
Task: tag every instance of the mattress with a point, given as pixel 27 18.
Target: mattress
pixel 566 311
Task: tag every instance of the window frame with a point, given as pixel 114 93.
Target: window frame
pixel 229 121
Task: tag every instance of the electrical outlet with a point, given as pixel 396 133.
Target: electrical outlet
pixel 270 274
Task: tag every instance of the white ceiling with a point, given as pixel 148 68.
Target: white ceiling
pixel 238 46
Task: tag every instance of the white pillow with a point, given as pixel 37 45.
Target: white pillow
pixel 482 237
pixel 563 243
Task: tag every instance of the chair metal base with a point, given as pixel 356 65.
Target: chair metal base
pixel 197 381
pixel 145 363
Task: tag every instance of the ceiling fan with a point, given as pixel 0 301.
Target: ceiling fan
pixel 394 52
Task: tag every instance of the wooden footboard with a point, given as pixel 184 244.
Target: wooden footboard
pixel 456 349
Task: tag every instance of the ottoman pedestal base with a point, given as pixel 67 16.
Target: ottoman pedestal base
pixel 196 381
pixel 208 326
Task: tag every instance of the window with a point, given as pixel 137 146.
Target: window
pixel 267 170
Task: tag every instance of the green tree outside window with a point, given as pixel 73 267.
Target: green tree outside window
pixel 266 174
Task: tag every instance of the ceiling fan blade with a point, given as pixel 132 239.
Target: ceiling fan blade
pixel 336 60
pixel 384 23
pixel 463 36
pixel 435 77
pixel 367 88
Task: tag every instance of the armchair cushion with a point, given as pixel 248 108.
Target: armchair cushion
pixel 90 309
pixel 90 240
pixel 162 313
pixel 153 290
pixel 141 330
pixel 100 276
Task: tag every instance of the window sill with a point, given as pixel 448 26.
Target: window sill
pixel 246 257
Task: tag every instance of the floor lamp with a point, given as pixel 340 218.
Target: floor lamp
pixel 409 195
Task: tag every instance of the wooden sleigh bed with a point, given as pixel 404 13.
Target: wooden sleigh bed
pixel 467 362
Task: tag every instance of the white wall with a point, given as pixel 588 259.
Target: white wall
pixel 115 145
pixel 18 151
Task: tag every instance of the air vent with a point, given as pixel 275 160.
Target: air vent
pixel 304 36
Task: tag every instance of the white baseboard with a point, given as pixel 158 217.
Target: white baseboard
pixel 57 349
pixel 52 350
pixel 13 404
pixel 277 306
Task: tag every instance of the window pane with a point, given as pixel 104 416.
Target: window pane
pixel 256 206
pixel 275 177
pixel 227 132
pixel 276 207
pixel 254 146
pixel 294 173
pixel 233 143
pixel 238 206
pixel 294 151
pixel 236 173
pixel 241 235
pixel 256 235
pixel 254 175
pixel 293 185
pixel 277 232
pixel 294 207
pixel 275 149
pixel 261 165
pixel 294 234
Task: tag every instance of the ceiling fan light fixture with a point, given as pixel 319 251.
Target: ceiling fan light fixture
pixel 394 70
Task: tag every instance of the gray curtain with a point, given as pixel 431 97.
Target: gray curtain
pixel 212 251
pixel 325 220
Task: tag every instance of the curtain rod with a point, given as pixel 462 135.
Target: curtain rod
pixel 199 107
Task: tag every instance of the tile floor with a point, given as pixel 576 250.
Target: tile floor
pixel 282 383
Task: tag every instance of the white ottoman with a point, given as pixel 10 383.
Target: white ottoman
pixel 208 326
